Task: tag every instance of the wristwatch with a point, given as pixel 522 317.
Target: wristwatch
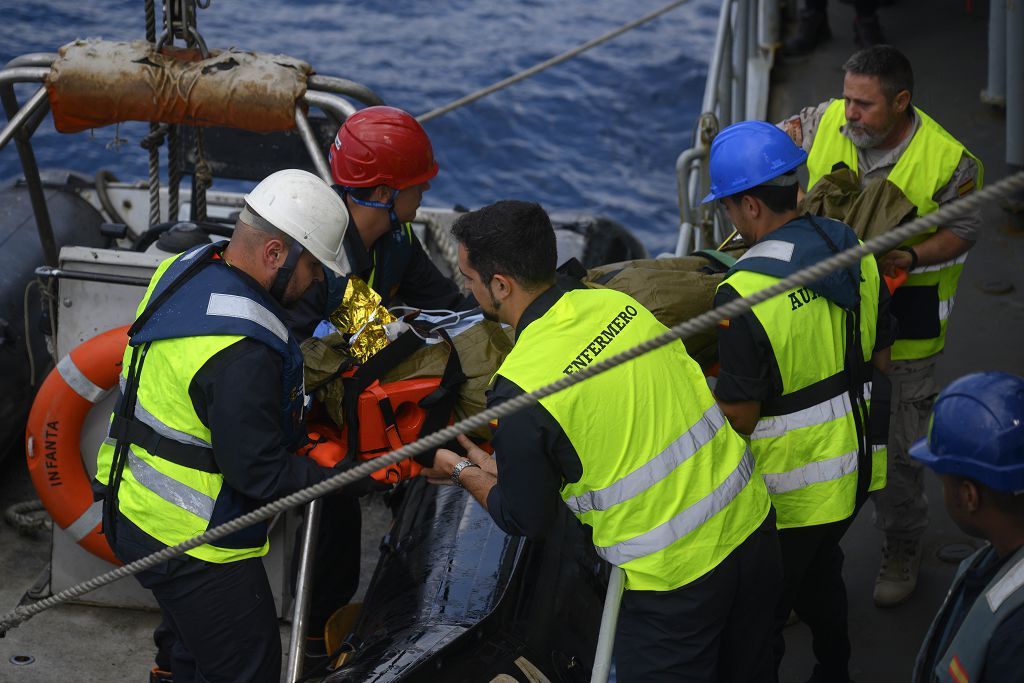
pixel 913 256
pixel 457 470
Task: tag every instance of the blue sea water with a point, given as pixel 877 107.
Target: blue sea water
pixel 599 133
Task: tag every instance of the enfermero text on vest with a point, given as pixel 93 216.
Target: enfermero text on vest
pixel 603 339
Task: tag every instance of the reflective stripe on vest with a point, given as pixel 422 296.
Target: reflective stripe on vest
pixel 666 483
pixel 927 164
pixel 166 431
pixel 234 306
pixel 965 655
pixel 688 519
pixel 170 489
pixel 656 469
pixel 826 411
pixel 808 456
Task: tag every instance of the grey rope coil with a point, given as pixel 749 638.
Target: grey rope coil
pixel 706 320
pixel 25 516
pixel 537 68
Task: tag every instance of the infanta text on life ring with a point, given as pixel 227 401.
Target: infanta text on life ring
pixel 52 440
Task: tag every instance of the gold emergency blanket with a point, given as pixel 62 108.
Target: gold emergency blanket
pixel 673 289
pixel 875 210
pixel 361 315
pixel 96 83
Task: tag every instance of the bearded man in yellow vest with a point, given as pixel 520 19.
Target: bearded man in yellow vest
pixel 875 131
pixel 640 453
pixel 797 373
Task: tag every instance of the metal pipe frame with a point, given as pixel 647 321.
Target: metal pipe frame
pixel 8 77
pixel 739 62
pixel 18 121
pixel 33 59
pixel 1014 84
pixel 303 589
pixel 609 620
pixel 108 278
pixel 343 86
pixel 746 38
pixel 335 106
pixel 995 90
pixel 23 74
pixel 312 146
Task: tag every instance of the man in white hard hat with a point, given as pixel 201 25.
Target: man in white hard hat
pixel 210 415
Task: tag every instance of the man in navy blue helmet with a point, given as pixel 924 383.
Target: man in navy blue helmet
pixel 975 444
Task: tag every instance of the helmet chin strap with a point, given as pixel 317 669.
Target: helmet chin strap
pixel 284 273
pixel 388 206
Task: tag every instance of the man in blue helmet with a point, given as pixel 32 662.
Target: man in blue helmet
pixel 982 471
pixel 797 374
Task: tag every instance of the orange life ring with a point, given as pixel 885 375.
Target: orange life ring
pixel 52 439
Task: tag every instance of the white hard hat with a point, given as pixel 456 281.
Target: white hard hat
pixel 304 207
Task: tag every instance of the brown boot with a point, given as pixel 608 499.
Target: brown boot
pixel 897 577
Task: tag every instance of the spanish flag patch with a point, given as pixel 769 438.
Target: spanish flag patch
pixel 956 670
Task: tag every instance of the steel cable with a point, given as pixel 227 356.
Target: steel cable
pixel 704 321
pixel 537 68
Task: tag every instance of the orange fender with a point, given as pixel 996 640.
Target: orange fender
pixel 52 439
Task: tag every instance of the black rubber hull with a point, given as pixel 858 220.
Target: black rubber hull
pixel 455 599
pixel 75 222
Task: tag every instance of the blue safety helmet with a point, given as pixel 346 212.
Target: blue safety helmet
pixel 748 154
pixel 977 431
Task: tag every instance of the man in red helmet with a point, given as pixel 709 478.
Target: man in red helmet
pixel 382 163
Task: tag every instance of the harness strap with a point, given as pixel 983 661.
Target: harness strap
pixel 369 372
pixel 135 431
pixel 440 403
pixel 858 374
pixel 126 407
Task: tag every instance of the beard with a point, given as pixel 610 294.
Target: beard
pixel 867 138
pixel 492 313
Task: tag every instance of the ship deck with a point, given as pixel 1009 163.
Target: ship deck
pixel 948 48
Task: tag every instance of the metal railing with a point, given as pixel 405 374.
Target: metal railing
pixel 736 90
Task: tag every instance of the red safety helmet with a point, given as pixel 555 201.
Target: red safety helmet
pixel 382 146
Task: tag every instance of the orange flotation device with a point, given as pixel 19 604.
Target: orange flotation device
pixel 52 439
pixel 390 416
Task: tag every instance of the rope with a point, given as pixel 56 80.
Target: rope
pixel 173 174
pixel 152 142
pixel 202 177
pixel 21 518
pixel 154 177
pixel 537 68
pixel 704 321
pixel 150 22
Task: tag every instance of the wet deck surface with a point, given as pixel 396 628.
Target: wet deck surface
pixel 948 49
